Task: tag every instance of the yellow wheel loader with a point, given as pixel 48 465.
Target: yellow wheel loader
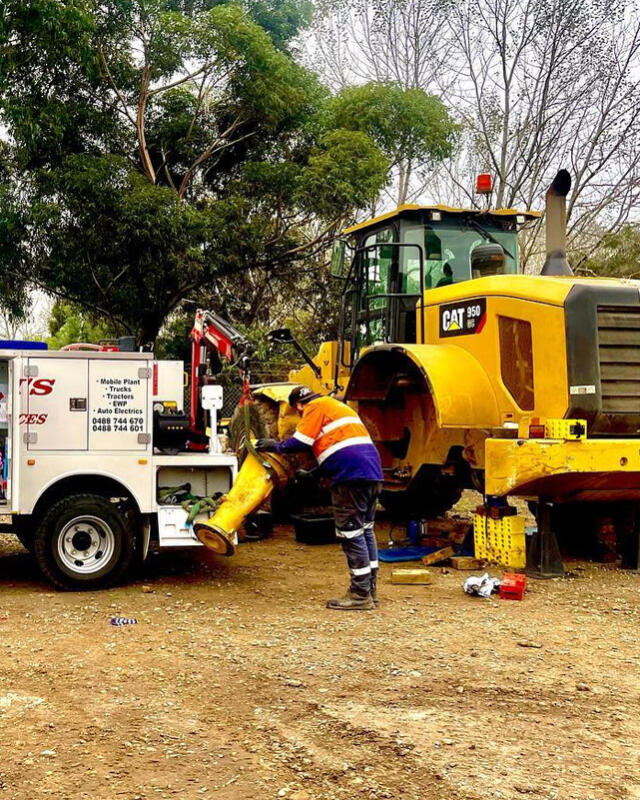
pixel 470 374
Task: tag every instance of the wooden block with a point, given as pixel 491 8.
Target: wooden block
pixel 466 562
pixel 419 576
pixel 438 556
pixel 452 530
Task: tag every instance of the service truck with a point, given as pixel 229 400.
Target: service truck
pixel 93 442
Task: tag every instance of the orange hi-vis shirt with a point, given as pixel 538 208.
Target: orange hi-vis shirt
pixel 339 440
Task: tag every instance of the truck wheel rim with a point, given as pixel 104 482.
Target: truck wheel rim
pixel 86 544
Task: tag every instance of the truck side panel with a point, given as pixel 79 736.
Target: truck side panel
pixel 118 413
pixel 39 473
pixel 55 390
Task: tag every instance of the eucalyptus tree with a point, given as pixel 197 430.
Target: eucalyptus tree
pixel 156 146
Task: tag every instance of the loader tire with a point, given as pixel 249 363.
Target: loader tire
pixel 263 416
pixel 430 495
pixel 84 542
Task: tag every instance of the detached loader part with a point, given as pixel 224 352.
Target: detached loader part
pixel 256 480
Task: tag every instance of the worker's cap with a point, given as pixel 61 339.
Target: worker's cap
pixel 301 394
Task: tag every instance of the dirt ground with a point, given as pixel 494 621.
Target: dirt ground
pixel 238 683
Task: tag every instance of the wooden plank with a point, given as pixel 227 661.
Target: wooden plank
pixel 438 556
pixel 416 576
pixel 466 562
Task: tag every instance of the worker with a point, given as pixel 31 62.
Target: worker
pixel 347 456
pixel 447 275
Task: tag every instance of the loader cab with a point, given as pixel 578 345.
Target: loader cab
pixel 400 255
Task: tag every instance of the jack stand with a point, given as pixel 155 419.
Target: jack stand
pixel 543 558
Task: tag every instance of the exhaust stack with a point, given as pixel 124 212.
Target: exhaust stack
pixel 556 226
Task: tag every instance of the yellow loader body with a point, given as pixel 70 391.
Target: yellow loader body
pixel 604 470
pixel 500 360
pixel 469 374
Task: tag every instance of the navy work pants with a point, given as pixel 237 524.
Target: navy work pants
pixel 354 509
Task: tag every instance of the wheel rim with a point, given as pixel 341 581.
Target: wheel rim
pixel 86 544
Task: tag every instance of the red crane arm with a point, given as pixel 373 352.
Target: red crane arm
pixel 211 333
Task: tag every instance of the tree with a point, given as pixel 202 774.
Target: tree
pixel 70 323
pixel 13 234
pixel 535 84
pixel 400 44
pixel 158 147
pixel 413 129
pixel 617 256
pixel 389 41
pixel 553 84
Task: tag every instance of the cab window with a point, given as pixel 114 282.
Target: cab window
pixel 378 263
pixel 447 252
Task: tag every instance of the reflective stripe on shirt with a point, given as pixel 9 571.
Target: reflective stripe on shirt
pixel 341 445
pixel 353 419
pixel 302 437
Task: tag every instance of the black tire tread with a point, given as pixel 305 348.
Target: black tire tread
pixel 50 570
pixel 423 499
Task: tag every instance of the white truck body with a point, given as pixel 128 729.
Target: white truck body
pixel 86 418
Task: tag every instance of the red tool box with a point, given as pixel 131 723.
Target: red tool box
pixel 512 586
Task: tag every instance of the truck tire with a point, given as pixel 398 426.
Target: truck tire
pixel 84 542
pixel 23 529
pixel 430 495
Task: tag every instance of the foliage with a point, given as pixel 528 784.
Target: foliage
pixel 159 148
pixel 351 164
pixel 69 323
pixel 306 301
pixel 410 126
pixel 13 290
pixel 617 256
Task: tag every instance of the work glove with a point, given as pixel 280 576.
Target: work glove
pixel 266 445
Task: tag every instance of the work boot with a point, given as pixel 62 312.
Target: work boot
pixel 374 586
pixel 352 602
